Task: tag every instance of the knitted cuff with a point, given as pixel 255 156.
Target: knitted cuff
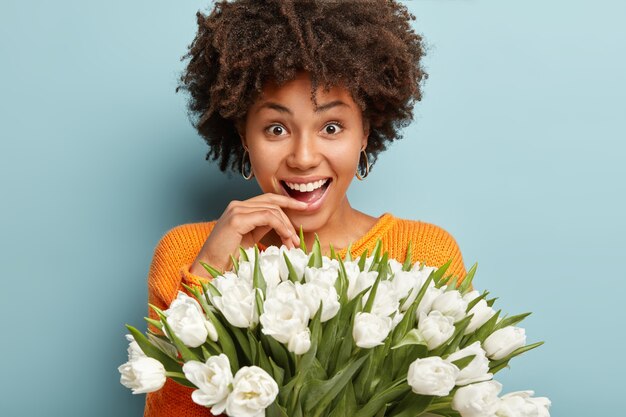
pixel 189 278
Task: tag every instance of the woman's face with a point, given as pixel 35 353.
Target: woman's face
pixel 293 146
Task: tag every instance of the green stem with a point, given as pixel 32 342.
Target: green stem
pixel 175 374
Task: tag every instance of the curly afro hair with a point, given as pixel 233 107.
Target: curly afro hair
pixel 365 46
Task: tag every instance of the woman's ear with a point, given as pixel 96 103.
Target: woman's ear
pixel 366 133
pixel 240 126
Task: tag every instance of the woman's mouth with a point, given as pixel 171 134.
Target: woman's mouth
pixel 308 192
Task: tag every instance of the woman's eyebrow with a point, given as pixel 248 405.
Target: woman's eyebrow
pixel 283 109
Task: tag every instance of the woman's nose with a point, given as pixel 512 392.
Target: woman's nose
pixel 305 152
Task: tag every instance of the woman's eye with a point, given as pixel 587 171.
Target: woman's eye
pixel 276 130
pixel 333 128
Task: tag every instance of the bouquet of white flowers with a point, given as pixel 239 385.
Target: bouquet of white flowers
pixel 292 333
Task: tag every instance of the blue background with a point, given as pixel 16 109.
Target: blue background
pixel 517 149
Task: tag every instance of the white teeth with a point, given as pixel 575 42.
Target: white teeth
pixel 308 187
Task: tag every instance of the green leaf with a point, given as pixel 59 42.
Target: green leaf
pixel 516 352
pixel 214 272
pixel 362 260
pixel 279 354
pixel 438 273
pixel 258 300
pixel 475 301
pixel 413 337
pixel 369 304
pixel 155 323
pixel 330 335
pixel 486 329
pixel 333 255
pixel 243 255
pixel 316 330
pixel 383 267
pixel 376 252
pixel 490 302
pixel 264 361
pixel 318 394
pixel 343 279
pixel 153 352
pixel 510 321
pixel 278 373
pixel 257 276
pixel 235 264
pixel 315 261
pixel 467 281
pixel 293 276
pixel 408 258
pixel 463 362
pixel 348 257
pixel 302 243
pixel 378 401
pixel 243 343
pixel 275 410
pixel 412 405
pixel 209 288
pixel 346 403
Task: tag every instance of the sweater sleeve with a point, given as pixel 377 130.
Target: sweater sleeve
pixel 173 256
pixel 436 247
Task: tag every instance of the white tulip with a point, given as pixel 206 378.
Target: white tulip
pixel 328 263
pixel 423 269
pixel 327 275
pixel 134 351
pixel 477 400
pixel 477 370
pixel 426 303
pixel 435 328
pixel 213 380
pixel 298 259
pixel 237 301
pixel 394 266
pixel 481 312
pixel 312 293
pixel 522 404
pixel 450 303
pixel 244 273
pixel 409 283
pixel 253 391
pixel 360 282
pixel 370 330
pixel 352 270
pixel 283 319
pixel 432 376
pixel 396 319
pixel 142 375
pixel 300 343
pixel 284 291
pixel 269 263
pixel 504 341
pixel 188 322
pixel 386 301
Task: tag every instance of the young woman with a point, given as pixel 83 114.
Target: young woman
pixel 302 96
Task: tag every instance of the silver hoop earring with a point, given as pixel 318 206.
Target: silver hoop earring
pixel 359 173
pixel 243 165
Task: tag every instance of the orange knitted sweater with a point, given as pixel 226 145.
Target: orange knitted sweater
pixel 179 247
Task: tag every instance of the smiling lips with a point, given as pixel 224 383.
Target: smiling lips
pixel 309 192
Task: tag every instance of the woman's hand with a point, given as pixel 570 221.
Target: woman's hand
pixel 244 223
